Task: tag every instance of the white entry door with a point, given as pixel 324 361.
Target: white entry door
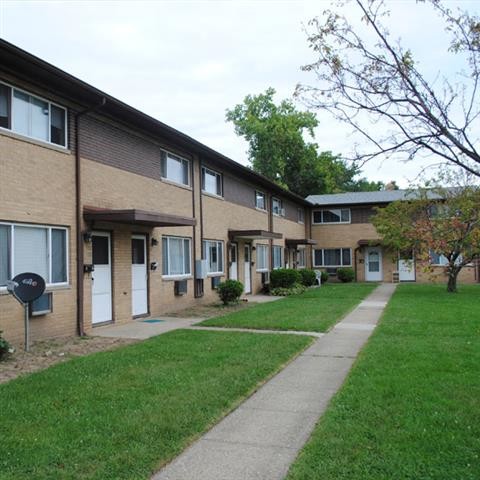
pixel 373 264
pixel 406 267
pixel 233 262
pixel 248 278
pixel 101 278
pixel 139 275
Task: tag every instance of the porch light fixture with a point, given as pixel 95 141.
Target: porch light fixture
pixel 154 242
pixel 87 237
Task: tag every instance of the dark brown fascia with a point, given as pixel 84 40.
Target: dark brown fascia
pixel 137 217
pixel 293 242
pixel 369 243
pixel 253 234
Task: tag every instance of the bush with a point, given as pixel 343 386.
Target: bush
pixel 295 289
pixel 5 347
pixel 325 277
pixel 230 291
pixel 284 278
pixel 345 275
pixel 308 277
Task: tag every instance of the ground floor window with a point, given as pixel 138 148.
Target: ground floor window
pixel 33 248
pixel 332 257
pixel 277 256
pixel 262 258
pixel 301 258
pixel 176 256
pixel 213 254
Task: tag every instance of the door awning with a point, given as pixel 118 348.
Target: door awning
pixel 136 217
pixel 294 242
pixel 252 234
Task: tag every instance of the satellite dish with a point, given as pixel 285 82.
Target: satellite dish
pixel 27 287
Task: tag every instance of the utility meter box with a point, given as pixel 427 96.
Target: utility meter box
pixel 201 269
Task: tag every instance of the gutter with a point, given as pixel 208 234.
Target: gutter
pixel 78 217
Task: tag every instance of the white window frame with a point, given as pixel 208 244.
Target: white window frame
pixel 274 247
pixel 301 253
pixel 264 248
pixel 280 207
pixel 323 257
pixel 50 103
pixel 177 158
pixel 176 275
pixel 220 254
pixel 49 229
pixel 444 260
pixel 264 196
pixel 332 210
pixel 301 216
pixel 217 175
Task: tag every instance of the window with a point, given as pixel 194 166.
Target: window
pixel 260 200
pixel 262 258
pixel 173 168
pixel 335 215
pixel 32 116
pixel 301 215
pixel 277 257
pixel 438 259
pixel 41 250
pixel 332 257
pixel 213 254
pixel 176 256
pixel 277 207
pixel 301 258
pixel 212 182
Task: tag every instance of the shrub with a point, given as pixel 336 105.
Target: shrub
pixel 345 275
pixel 5 347
pixel 284 278
pixel 308 277
pixel 229 291
pixel 295 289
pixel 325 277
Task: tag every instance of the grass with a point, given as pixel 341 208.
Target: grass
pixel 316 310
pixel 121 414
pixel 410 408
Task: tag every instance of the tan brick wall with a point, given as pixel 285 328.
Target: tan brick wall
pixel 37 187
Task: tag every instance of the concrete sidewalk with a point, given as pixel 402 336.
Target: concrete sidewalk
pixel 261 438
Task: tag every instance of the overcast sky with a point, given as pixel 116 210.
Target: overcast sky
pixel 186 62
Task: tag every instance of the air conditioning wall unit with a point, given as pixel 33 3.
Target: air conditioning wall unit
pixel 201 269
pixel 282 212
pixel 180 287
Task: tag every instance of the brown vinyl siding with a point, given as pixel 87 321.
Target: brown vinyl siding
pixel 362 214
pixel 238 192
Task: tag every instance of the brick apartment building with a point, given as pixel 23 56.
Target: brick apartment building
pixel 117 210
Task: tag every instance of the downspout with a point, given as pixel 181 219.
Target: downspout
pixel 78 219
pixel 200 292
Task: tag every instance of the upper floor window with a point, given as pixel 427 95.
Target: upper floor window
pixel 262 257
pixel 176 256
pixel 277 207
pixel 260 200
pixel 301 215
pixel 32 116
pixel 334 215
pixel 332 257
pixel 212 182
pixel 174 168
pixel 213 253
pixel 277 256
pixel 32 248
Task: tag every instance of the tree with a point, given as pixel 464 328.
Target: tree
pixel 374 85
pixel 445 221
pixel 278 150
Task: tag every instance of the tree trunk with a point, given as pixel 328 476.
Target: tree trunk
pixel 452 279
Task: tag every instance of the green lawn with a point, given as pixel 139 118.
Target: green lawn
pixel 410 408
pixel 316 310
pixel 121 414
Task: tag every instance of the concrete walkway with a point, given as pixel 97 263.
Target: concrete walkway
pixel 261 438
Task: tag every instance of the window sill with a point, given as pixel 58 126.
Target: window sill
pixel 332 223
pixel 215 274
pixel 176 184
pixel 33 141
pixel 174 278
pixel 263 210
pixel 262 270
pixel 213 195
pixel 48 288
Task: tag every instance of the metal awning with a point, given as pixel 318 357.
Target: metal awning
pixel 136 217
pixel 369 243
pixel 252 234
pixel 294 242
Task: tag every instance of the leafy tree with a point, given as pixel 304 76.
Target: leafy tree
pixel 373 84
pixel 441 220
pixel 278 150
